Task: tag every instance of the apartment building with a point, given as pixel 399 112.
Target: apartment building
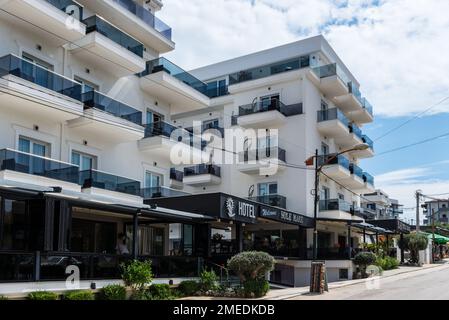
pixel 108 150
pixel 436 210
pixel 378 205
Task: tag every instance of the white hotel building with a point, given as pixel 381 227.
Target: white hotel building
pixel 88 110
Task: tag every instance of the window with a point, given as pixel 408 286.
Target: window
pixel 269 102
pixel 268 188
pixel 153 180
pixel 37 70
pixel 153 117
pixel 325 193
pixel 210 124
pixel 341 196
pixel 324 105
pixel 324 149
pixel 38 148
pixel 84 161
pixel 14 225
pixel 87 86
pixel 343 274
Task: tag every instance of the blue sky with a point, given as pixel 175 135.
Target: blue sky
pixel 397 49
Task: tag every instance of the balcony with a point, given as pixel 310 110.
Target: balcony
pixel 336 167
pixel 107 185
pixel 274 200
pixel 208 128
pixel 268 70
pixel 364 114
pixel 166 81
pixel 37 92
pixel 139 22
pixel 352 101
pixel 354 138
pixel 108 118
pixel 333 123
pixel 20 168
pixel 166 140
pixel 266 114
pixel 369 182
pixel 336 209
pixel 109 48
pixel 330 79
pixel 267 161
pixel 161 192
pixel 176 179
pixel 356 181
pixel 367 153
pixel 202 175
pixel 61 17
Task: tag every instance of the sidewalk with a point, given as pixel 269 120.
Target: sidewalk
pixel 281 294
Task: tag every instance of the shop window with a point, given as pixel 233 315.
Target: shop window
pixel 14 225
pixel 94 237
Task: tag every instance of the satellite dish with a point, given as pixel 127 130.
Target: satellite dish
pixel 251 191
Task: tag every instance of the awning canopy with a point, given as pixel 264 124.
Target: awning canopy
pixel 439 239
pixel 394 226
pixel 231 208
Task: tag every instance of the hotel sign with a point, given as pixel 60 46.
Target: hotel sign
pixel 239 210
pixel 285 216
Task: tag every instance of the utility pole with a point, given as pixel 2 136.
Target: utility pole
pixel 418 197
pixel 433 235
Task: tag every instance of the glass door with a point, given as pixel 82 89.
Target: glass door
pixel 37 70
pixel 34 164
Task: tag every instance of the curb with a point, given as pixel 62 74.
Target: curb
pixel 353 282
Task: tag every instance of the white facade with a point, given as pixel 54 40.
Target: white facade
pixel 41 113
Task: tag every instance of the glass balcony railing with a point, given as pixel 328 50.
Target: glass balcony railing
pixel 270 105
pixel 45 78
pixel 367 106
pixel 31 164
pixel 331 70
pixel 368 141
pixel 335 205
pixel 206 127
pixel 269 70
pixel 369 179
pixel 332 159
pixel 163 64
pixel 162 128
pixel 146 16
pixel 97 24
pixel 355 91
pixel 353 128
pixel 102 180
pixel 263 154
pixel 202 169
pixel 332 114
pixel 274 200
pixel 176 175
pixel 96 100
pixel 356 170
pixel 216 89
pixel 67 6
pixel 161 192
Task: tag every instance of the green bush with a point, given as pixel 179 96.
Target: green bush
pixel 137 274
pixel 364 259
pixel 79 295
pixel 387 263
pixel 255 288
pixel 208 280
pixel 251 265
pixel 3 298
pixel 189 287
pixel 43 295
pixel 160 292
pixel 114 292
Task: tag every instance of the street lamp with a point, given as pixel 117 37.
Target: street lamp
pixel 318 169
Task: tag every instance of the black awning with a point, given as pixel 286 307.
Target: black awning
pixel 394 225
pixel 231 208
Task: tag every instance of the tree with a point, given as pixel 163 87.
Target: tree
pixel 415 242
pixel 251 265
pixel 363 260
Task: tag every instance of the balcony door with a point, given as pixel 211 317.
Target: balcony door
pixel 269 102
pixel 84 161
pixel 37 70
pixel 87 86
pixel 153 117
pixel 268 188
pixel 34 165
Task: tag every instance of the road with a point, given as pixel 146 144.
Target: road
pixel 432 284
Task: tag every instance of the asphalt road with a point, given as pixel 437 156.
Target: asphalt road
pixel 432 284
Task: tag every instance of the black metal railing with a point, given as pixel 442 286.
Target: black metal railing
pixel 202 169
pixel 102 180
pixel 16 266
pixel 31 164
pixel 270 105
pixel 176 175
pixel 263 154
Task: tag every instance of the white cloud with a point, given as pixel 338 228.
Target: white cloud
pixel 397 49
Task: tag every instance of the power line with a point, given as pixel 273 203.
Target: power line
pixel 411 119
